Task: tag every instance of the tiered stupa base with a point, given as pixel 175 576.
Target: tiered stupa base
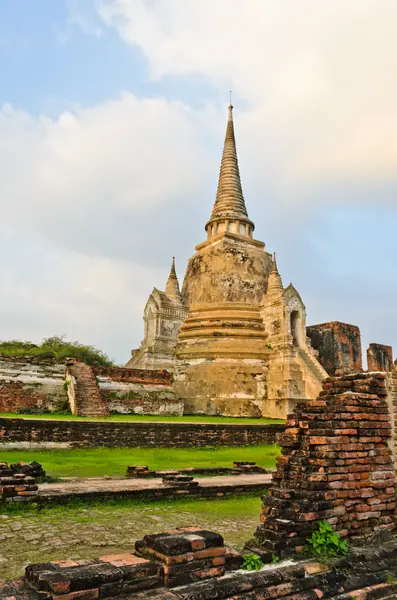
pixel 221 361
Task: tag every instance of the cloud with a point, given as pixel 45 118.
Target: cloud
pixel 93 299
pixel 90 179
pixel 94 204
pixel 97 200
pixel 315 77
pixel 80 16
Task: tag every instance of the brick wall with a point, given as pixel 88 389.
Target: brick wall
pixel 137 391
pixel 145 435
pixel 159 377
pixel 338 345
pixel 380 358
pixel 27 384
pixel 336 464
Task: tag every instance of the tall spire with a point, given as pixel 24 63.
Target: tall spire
pixel 274 282
pixel 229 195
pixel 172 287
pixel 229 203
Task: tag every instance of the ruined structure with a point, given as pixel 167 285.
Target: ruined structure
pixel 380 358
pixel 37 385
pixel 339 347
pixel 32 385
pixel 242 347
pixel 337 463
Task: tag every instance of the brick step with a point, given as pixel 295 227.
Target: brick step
pixel 372 592
pixel 89 400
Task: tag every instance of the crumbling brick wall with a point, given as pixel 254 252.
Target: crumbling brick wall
pixel 338 345
pixel 336 464
pixel 138 391
pixel 28 384
pixel 380 358
pixel 159 377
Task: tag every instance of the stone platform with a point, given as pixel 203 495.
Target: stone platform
pixel 154 488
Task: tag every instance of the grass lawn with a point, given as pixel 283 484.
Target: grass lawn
pixel 142 418
pixel 114 461
pixel 81 531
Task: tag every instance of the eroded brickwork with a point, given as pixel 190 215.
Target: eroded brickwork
pixel 14 486
pixel 336 464
pixel 369 573
pixel 138 391
pixel 121 374
pixel 338 345
pixel 31 385
pixel 380 358
pixel 84 395
pixel 115 434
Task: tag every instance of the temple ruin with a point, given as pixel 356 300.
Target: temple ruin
pixel 234 337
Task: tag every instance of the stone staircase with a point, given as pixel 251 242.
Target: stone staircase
pixel 89 401
pixel 312 363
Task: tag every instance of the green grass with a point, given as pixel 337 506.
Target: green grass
pixel 114 461
pixel 89 531
pixel 143 418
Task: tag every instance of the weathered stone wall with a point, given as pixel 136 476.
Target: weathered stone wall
pixel 124 434
pixel 380 358
pixel 27 384
pixel 336 464
pixel 35 385
pixel 124 375
pixel 138 391
pixel 338 345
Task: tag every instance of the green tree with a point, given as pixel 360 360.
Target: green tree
pixel 58 348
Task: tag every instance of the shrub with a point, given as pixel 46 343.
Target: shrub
pixel 326 542
pixel 56 347
pixel 252 562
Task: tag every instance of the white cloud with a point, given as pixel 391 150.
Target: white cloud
pixel 91 211
pixel 317 76
pixel 93 299
pixel 86 179
pixel 114 190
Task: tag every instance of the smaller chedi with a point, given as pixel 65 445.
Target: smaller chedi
pixel 234 337
pixel 163 315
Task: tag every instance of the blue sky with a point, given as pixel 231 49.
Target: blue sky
pixel 112 117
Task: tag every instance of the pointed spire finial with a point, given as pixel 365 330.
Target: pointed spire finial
pixel 274 264
pixel 274 282
pixel 173 272
pixel 229 203
pixel 172 287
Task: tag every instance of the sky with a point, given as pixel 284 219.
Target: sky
pixel 112 121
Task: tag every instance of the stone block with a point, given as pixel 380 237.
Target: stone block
pixel 338 345
pixel 380 358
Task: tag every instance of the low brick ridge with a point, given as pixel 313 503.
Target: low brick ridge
pixel 136 434
pixel 367 573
